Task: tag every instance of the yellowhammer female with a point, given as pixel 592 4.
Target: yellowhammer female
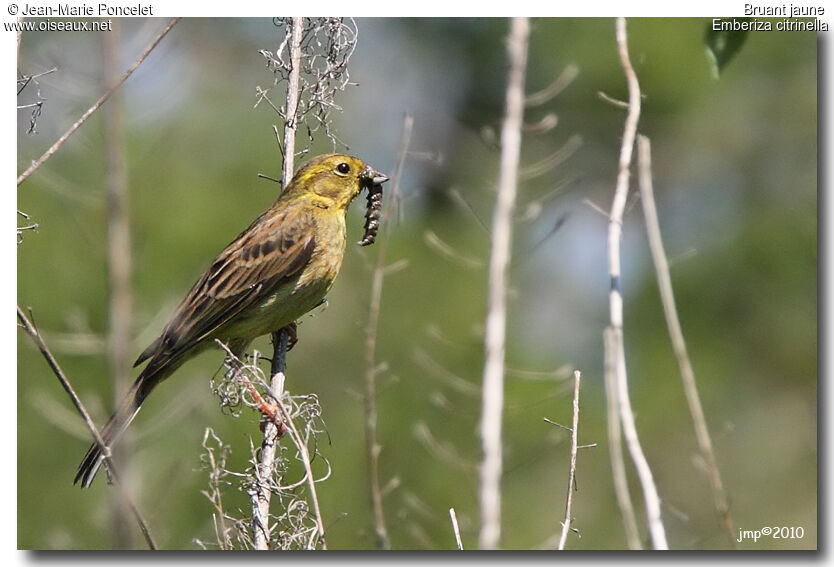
pixel 274 272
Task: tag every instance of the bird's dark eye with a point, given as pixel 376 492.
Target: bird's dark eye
pixel 343 168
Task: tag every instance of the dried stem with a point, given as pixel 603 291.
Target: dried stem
pixel 456 528
pixel 371 330
pixel 294 61
pixel 33 333
pixel 495 334
pixel 291 122
pixel 574 435
pixel 266 465
pixel 37 163
pixel 118 262
pixel 615 447
pixel 305 459
pixel 261 495
pixel 615 228
pixel 274 427
pixel 326 45
pixel 667 297
pixel 216 465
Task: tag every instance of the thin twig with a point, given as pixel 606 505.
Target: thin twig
pixel 596 208
pixel 615 447
pixel 555 159
pixel 215 494
pixel 441 450
pixel 574 435
pixel 33 333
pixel 499 261
pixel 447 251
pixel 615 229
pixel 37 163
pixel 667 297
pixel 456 528
pixel 461 201
pixel 449 378
pixel 262 95
pixel 371 330
pixel 612 100
pixel 547 123
pixel 559 84
pixel 27 78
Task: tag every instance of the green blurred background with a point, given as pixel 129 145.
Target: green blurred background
pixel 735 176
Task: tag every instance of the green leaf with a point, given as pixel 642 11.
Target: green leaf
pixel 722 46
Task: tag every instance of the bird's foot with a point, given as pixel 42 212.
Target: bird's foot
pixel 292 335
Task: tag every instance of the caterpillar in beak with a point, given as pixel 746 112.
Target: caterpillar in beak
pixel 372 215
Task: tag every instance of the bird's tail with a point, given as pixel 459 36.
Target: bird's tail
pixel 114 428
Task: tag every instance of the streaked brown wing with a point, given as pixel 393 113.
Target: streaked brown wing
pixel 273 248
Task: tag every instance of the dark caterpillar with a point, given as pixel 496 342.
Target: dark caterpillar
pixel 372 215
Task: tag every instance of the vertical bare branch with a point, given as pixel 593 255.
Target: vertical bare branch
pixel 48 153
pixel 260 510
pixel 670 310
pixel 312 59
pixel 118 262
pixel 118 229
pixel 494 343
pixel 615 448
pixel 33 333
pixel 373 446
pixel 615 229
pixel 291 122
pixel 262 493
pixel 574 436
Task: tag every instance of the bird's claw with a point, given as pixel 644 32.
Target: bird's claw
pixel 292 335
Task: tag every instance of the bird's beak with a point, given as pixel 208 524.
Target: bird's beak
pixel 372 176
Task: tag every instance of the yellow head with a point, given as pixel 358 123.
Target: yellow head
pixel 336 177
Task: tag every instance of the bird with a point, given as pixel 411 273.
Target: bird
pixel 272 273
